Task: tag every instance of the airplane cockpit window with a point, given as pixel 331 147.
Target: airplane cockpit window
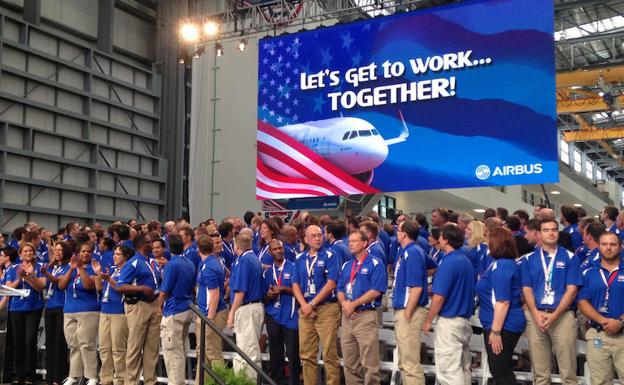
pixel 365 133
pixel 354 134
pixel 375 132
pixel 346 135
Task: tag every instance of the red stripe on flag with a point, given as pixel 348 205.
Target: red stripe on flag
pixel 274 176
pixel 278 190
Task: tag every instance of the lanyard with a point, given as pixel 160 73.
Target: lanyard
pixel 371 245
pixel 278 280
pixel 355 268
pixel 54 271
pixel 115 275
pixel 227 247
pixel 263 251
pixel 310 268
pixel 548 271
pixel 608 283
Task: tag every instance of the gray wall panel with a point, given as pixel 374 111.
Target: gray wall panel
pixel 44 170
pixel 149 211
pixel 128 162
pixel 12 85
pixel 45 197
pixel 122 72
pixel 68 126
pixel 10 30
pixel 98 134
pixel 80 15
pixel 11 112
pixel 150 190
pixel 40 93
pixel 132 34
pixel 101 88
pixel 71 78
pixel 13 219
pixel 43 42
pixel 74 201
pixel 105 206
pixel 14 58
pixel 106 182
pixel 48 221
pixel 15 137
pixel 121 140
pixel 47 144
pixel 41 67
pixel 71 52
pixel 144 102
pixel 70 102
pixel 130 185
pixel 76 176
pixel 39 118
pixel 124 208
pixel 76 150
pixel 147 166
pixel 15 193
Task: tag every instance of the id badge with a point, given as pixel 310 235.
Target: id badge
pixel 549 298
pixel 75 295
pixel 597 343
pixel 349 291
pixel 277 304
pixel 312 289
pixel 603 309
pixel 49 293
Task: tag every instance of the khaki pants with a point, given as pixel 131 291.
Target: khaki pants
pixel 452 350
pixel 360 348
pixel 113 336
pixel 143 342
pixel 81 330
pixel 214 345
pixel 323 328
pixel 248 328
pixel 408 338
pixel 174 330
pixel 602 360
pixel 560 337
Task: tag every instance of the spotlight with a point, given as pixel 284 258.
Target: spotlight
pixel 189 33
pixel 219 49
pixel 196 55
pixel 242 45
pixel 200 51
pixel 181 60
pixel 211 28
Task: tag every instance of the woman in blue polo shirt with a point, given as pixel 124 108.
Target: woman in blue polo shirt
pixel 57 366
pixel 113 328
pixel 25 313
pixel 268 231
pixel 499 290
pixel 81 316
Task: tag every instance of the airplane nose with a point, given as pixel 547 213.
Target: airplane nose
pixel 373 154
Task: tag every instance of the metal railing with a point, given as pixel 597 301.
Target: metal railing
pixel 263 377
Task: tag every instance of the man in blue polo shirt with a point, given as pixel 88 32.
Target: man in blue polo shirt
pixel 176 294
pixel 602 300
pixel 375 247
pixel 409 300
pixel 453 300
pixel 363 280
pixel 247 312
pixel 569 218
pixel 608 216
pixel 314 282
pixel 226 229
pixel 591 238
pixel 282 315
pixel 550 280
pixel 190 249
pixel 334 232
pixel 139 285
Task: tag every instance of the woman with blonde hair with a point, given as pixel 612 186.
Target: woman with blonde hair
pixel 476 244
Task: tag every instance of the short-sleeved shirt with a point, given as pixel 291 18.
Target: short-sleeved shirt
pixel 128 243
pixel 112 301
pixel 594 290
pixel 370 274
pixel 501 282
pixel 341 251
pixel 55 297
pixel 564 270
pixel 285 313
pixel 247 277
pixel 106 259
pixel 265 257
pixel 77 298
pixel 291 251
pixel 376 250
pixel 228 254
pixel 138 271
pixel 324 266
pixel 454 280
pixel 592 259
pixel 192 254
pixel 575 235
pixel 614 229
pixel 410 271
pixel 210 276
pixel 34 299
pixel 7 273
pixel 178 284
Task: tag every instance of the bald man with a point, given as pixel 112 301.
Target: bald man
pixel 314 282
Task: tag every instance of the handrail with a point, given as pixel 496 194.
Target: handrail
pixel 202 352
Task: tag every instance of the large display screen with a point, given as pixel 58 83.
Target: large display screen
pixel 455 96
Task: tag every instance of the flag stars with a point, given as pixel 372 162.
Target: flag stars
pixel 347 40
pixel 272 97
pixel 287 95
pixel 318 104
pixel 287 110
pixel 264 91
pixel 295 102
pixel 280 43
pixel 295 117
pixel 272 52
pixel 264 106
pixel 280 58
pixel 280 119
pixel 272 82
pixel 272 113
pixel 280 104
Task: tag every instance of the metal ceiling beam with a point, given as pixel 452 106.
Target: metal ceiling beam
pixel 575 106
pixel 594 134
pixel 591 37
pixel 570 5
pixel 589 77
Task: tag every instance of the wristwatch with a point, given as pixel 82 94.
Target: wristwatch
pixel 495 332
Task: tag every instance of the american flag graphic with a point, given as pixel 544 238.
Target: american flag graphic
pixel 280 103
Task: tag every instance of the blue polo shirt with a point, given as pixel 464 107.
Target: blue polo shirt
pixel 581 252
pixel 323 268
pixel 370 274
pixel 34 300
pixel 592 260
pixel 255 245
pixel 228 254
pixel 112 301
pixel 265 257
pixel 77 298
pixel 247 277
pixel 617 231
pixel 291 251
pixel 501 282
pixel 594 290
pixel 410 271
pixel 55 296
pixel 575 235
pixel 436 255
pixel 454 281
pixel 128 243
pixel 210 276
pixel 485 260
pixel 341 251
pixel 376 250
pixel 286 313
pixel 192 255
pixel 106 259
pixel 137 271
pixel 384 238
pixel 6 274
pixel 178 284
pixel 565 271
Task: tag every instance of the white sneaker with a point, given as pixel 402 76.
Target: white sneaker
pixel 70 381
pixel 92 381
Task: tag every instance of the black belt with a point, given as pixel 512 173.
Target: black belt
pixel 250 302
pixel 550 311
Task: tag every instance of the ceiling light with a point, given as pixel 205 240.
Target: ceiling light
pixel 219 49
pixel 578 205
pixel 555 192
pixel 189 33
pixel 211 28
pixel 242 45
pixel 479 210
pixel 601 94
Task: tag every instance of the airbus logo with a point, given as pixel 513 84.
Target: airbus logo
pixel 483 172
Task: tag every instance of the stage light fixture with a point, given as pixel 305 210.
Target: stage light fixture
pixel 219 49
pixel 211 28
pixel 242 45
pixel 189 33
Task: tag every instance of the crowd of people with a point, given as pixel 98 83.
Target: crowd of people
pixel 121 293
